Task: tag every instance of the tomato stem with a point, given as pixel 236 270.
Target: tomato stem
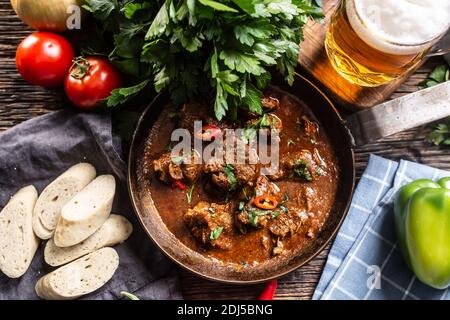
pixel 79 68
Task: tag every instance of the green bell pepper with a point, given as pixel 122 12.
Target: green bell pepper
pixel 422 219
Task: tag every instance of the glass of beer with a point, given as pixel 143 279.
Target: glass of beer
pixel 373 42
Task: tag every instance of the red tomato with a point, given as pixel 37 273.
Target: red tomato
pixel 91 80
pixel 44 58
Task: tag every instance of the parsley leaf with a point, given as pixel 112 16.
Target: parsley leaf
pixel 215 234
pixel 226 49
pixel 122 95
pixel 441 133
pixel 229 171
pixel 190 192
pixel 301 170
pixel 440 74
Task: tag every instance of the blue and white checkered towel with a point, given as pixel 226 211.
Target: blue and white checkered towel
pixel 364 261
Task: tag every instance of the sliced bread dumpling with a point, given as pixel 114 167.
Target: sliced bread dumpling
pixel 86 212
pixel 56 195
pixel 115 230
pixel 18 243
pixel 79 277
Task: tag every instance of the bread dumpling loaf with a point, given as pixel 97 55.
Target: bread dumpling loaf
pixel 79 277
pixel 18 243
pixel 86 212
pixel 56 195
pixel 115 230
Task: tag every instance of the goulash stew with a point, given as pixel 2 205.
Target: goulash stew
pixel 232 212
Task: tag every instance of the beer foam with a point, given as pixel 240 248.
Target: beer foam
pixel 399 26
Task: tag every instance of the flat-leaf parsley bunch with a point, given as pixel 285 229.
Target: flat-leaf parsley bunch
pixel 223 48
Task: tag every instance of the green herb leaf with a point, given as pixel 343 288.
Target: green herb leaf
pixel 217 5
pixel 241 205
pixel 229 171
pixel 101 9
pixel 301 170
pixel 160 23
pixel 123 95
pixel 220 47
pixel 190 192
pixel 441 134
pixel 440 74
pixel 128 295
pixel 131 9
pixel 290 143
pixel 215 234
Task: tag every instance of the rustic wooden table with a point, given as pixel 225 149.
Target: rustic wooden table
pixel 20 101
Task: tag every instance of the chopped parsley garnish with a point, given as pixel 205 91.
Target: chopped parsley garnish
pixel 285 198
pixel 178 159
pixel 275 214
pixel 254 214
pixel 290 143
pixel 241 205
pixel 215 234
pixel 229 171
pixel 245 194
pixel 284 209
pixel 191 191
pixel 250 132
pixel 301 170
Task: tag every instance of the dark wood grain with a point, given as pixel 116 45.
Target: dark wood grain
pixel 20 101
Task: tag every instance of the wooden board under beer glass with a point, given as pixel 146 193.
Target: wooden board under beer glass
pixel 314 60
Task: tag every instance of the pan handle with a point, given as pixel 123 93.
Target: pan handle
pixel 400 114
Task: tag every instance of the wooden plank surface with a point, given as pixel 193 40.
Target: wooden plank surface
pixel 20 101
pixel 314 61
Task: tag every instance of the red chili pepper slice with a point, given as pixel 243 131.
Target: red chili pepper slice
pixel 265 202
pixel 177 184
pixel 269 291
pixel 208 133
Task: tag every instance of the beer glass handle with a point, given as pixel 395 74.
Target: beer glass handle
pixel 442 47
pixel 407 112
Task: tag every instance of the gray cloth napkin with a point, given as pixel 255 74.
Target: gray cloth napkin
pixel 365 262
pixel 36 152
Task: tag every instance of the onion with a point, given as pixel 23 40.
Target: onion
pixel 48 15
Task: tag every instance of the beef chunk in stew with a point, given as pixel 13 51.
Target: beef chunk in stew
pixel 310 128
pixel 279 248
pixel 270 103
pixel 171 169
pixel 211 224
pixel 289 222
pixel 303 165
pixel 230 177
pixel 264 187
pixel 250 215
